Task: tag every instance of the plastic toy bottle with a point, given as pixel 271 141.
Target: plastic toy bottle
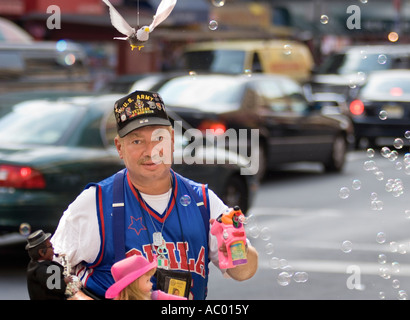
pixel 228 228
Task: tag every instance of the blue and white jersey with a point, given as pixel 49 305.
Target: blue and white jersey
pixel 182 226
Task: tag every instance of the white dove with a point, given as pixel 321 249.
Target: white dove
pixel 135 37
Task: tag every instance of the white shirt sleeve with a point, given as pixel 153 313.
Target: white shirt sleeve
pixel 77 234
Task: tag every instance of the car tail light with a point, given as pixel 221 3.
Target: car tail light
pixel 357 107
pixel 217 126
pixel 21 177
pixel 396 92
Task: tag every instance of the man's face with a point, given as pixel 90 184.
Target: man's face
pixel 147 151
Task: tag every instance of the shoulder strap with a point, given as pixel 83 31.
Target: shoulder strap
pixel 201 203
pixel 118 215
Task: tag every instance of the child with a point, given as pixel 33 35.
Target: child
pixel 132 277
pixel 45 277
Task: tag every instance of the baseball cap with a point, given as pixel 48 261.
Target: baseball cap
pixel 139 109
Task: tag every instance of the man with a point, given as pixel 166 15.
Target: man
pixel 163 212
pixel 42 268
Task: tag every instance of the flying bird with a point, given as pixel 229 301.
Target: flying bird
pixel 136 37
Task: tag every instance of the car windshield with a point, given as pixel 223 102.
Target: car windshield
pixel 36 122
pixel 354 62
pixel 397 86
pixel 219 61
pixel 211 94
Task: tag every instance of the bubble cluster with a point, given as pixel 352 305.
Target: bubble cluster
pixel 286 271
pixel 375 164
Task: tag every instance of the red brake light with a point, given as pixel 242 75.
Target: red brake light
pixel 356 107
pixel 20 177
pixel 396 92
pixel 217 127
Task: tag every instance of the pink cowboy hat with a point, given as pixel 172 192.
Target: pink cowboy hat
pixel 126 271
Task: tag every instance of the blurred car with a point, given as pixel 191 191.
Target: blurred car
pixel 26 64
pixel 8 100
pixel 381 107
pixel 51 149
pixel 277 56
pixel 140 81
pixel 290 129
pixel 343 70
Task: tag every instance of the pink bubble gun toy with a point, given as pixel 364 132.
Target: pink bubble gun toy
pixel 228 228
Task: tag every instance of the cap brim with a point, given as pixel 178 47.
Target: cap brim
pixel 143 122
pixel 118 286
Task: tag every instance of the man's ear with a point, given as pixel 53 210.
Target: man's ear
pixel 41 253
pixel 117 142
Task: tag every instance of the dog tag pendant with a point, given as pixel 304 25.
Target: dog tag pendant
pixel 157 239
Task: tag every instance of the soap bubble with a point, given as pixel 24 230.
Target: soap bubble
pixel 344 193
pixel 185 200
pixel 274 263
pixel 265 234
pixel 370 152
pixel 213 25
pixel 356 184
pixel 376 205
pixel 300 277
pixel 347 246
pixel 283 263
pixel 385 272
pixel 402 295
pixel 284 278
pixel 396 284
pixel 385 152
pixel 247 72
pixel 25 229
pixel 324 19
pixel 406 158
pixel 379 175
pixel 369 165
pixel 287 49
pixel 382 258
pixel 394 246
pixel 218 3
pixel 381 237
pixel 269 248
pixel 398 143
pixel 395 267
pixel 383 115
pixel 382 59
pixel 407 134
pixel 254 231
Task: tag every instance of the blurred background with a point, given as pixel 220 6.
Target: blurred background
pixel 325 83
pixel 321 25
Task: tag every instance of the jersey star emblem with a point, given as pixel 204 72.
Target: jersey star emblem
pixel 136 225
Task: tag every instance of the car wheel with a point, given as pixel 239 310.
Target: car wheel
pixel 338 155
pixel 235 193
